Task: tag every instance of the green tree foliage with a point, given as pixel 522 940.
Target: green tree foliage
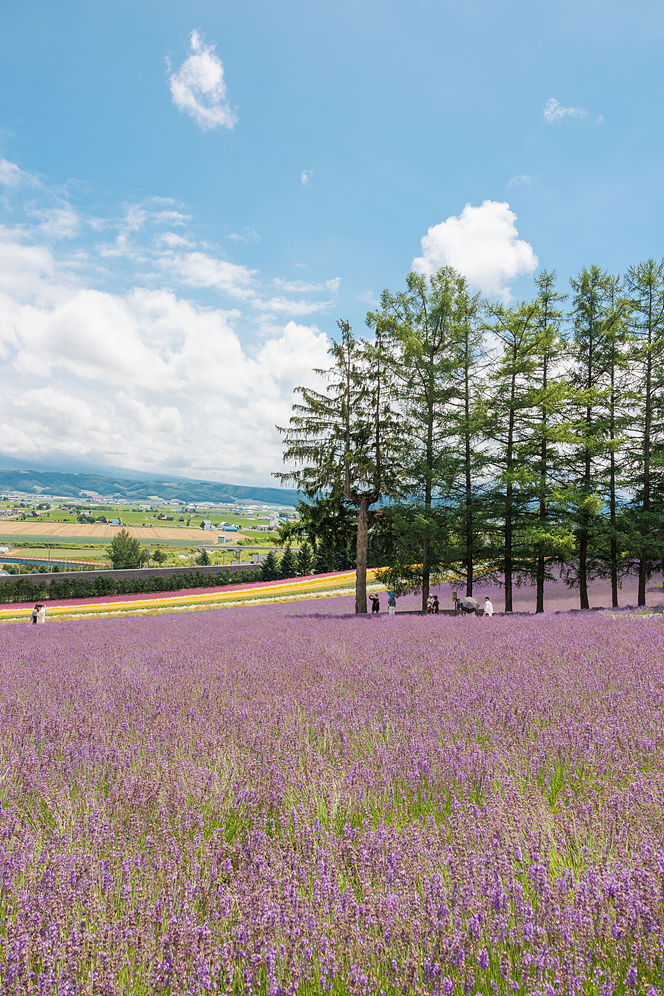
pixel 342 441
pixel 419 327
pixel 507 426
pixel 593 316
pixel 305 560
pixel 499 441
pixel 645 429
pixel 270 568
pixel 159 556
pixel 203 559
pixel 124 551
pixel 466 454
pixel 548 536
pixel 287 564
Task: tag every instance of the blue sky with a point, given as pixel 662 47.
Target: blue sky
pixel 214 184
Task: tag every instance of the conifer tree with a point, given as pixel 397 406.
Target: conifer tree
pixel 465 458
pixel 342 440
pixel 645 287
pixel 269 568
pixel 550 430
pixel 592 316
pixel 616 405
pixel 305 560
pixel 418 326
pixel 507 425
pixel 287 564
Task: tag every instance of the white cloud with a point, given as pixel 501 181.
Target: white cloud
pixel 249 235
pixel 59 223
pixel 554 111
pixel 174 241
pixel 282 305
pixel 104 365
pixel 306 176
pixel 521 179
pixel 482 244
pixel 150 381
pixel 198 269
pixel 302 287
pixel 12 176
pixel 199 89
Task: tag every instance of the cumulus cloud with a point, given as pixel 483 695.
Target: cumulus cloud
pixel 554 111
pixel 199 88
pixel 482 244
pixel 135 374
pixel 306 176
pixel 147 380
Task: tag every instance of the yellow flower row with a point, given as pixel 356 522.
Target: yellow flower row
pixel 335 585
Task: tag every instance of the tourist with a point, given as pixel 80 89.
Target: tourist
pixel 435 607
pixel 430 603
pixel 375 603
pixel 391 603
pixel 41 613
pixel 33 614
pixel 488 606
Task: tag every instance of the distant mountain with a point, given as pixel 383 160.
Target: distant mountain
pixel 38 482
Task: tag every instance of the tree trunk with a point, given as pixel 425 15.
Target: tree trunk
pixel 612 508
pixel 425 573
pixel 361 559
pixel 508 550
pixel 539 604
pixel 509 490
pixel 645 525
pixel 583 568
pixel 469 524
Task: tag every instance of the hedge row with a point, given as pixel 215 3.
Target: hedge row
pixel 22 590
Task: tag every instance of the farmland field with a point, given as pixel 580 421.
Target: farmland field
pixel 65 530
pixel 194 804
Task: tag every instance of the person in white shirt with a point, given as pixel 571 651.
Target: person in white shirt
pixel 488 606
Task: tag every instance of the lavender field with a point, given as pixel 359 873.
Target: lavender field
pixel 270 801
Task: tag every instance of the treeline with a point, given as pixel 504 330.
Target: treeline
pixel 22 590
pixel 517 442
pixel 305 561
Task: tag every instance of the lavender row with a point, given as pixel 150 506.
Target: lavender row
pixel 272 802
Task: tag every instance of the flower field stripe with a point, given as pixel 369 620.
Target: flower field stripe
pixel 330 586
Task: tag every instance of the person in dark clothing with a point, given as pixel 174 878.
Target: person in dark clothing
pixel 375 603
pixel 436 605
pixel 33 615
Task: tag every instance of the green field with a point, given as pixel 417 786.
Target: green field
pixel 133 516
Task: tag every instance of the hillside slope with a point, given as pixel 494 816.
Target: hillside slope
pixel 36 483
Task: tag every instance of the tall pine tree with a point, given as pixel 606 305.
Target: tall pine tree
pixel 645 287
pixel 343 440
